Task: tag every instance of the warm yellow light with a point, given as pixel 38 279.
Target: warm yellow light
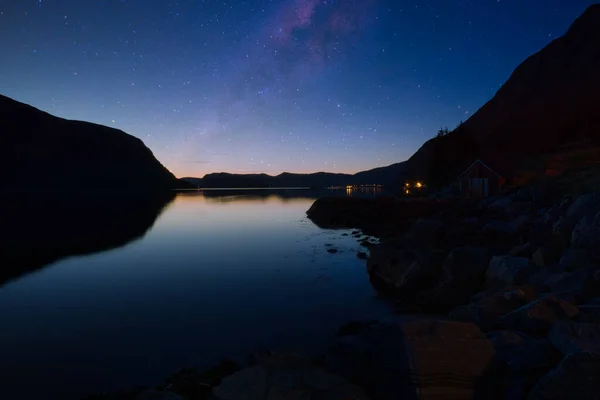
pixel 407 191
pixel 419 184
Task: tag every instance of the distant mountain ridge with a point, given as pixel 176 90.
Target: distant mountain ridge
pixel 550 102
pixel 382 176
pixel 39 150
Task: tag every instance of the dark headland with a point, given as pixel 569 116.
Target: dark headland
pixel 498 298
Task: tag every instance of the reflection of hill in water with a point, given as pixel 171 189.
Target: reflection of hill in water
pixel 41 228
pixel 284 195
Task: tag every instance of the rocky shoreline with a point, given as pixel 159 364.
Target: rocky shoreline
pixel 497 299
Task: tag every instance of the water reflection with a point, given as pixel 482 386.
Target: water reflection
pixel 41 228
pixel 219 274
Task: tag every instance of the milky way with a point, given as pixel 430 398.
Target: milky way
pixel 271 85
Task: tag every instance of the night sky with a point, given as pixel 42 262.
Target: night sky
pixel 271 85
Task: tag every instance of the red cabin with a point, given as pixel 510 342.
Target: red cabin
pixel 479 180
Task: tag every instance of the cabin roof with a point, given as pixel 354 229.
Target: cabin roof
pixel 478 161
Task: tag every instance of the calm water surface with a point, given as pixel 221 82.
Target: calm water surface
pixel 216 275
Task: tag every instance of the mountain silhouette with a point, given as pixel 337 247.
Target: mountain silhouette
pixel 382 176
pixel 549 103
pixel 40 150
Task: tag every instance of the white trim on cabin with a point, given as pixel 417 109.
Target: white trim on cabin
pixel 484 164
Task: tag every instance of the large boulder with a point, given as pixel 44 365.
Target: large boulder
pixel 579 285
pixel 574 337
pixel 573 259
pixel 485 312
pixel 586 234
pixel 588 204
pixel 416 359
pixel 522 360
pixel 464 275
pixel 400 271
pixel 506 271
pixel 576 377
pixel 285 377
pixel 538 316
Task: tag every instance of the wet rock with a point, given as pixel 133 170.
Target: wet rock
pixel 286 377
pixel 506 271
pixel 361 255
pixel 420 358
pixel 574 337
pixel 538 316
pixel 332 251
pixel 576 377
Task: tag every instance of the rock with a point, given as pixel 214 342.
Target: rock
pixel 573 259
pixel 420 358
pixel 500 227
pixel 404 271
pixel 158 395
pixel 546 255
pixel 523 360
pixel 464 275
pixel 286 377
pixel 390 261
pixel 517 208
pixel 588 313
pixel 588 204
pixel 574 337
pixel 361 255
pixel 578 285
pixel 425 233
pixel 538 316
pixel 332 251
pixel 544 276
pixel 506 271
pixel 576 377
pixel 524 250
pixel 586 234
pixel 190 383
pixel 485 311
pixel 501 204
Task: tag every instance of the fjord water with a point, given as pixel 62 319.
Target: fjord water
pixel 103 305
